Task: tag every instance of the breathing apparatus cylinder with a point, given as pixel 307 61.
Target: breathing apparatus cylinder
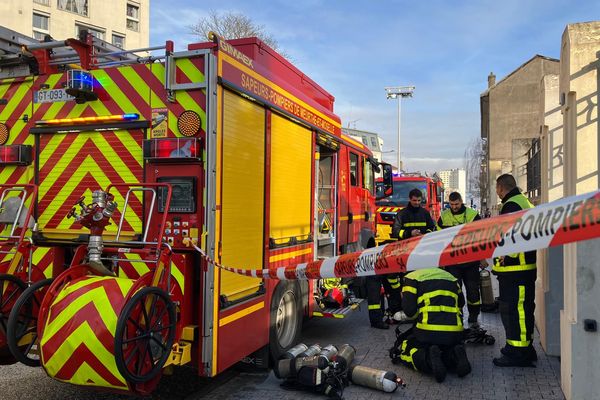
pixel 386 381
pixel 313 350
pixel 329 352
pixel 487 293
pixel 294 351
pixel 344 357
pixel 288 368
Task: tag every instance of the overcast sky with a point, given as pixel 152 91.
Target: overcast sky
pixel 356 48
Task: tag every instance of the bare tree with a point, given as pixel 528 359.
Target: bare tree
pixel 474 157
pixel 230 25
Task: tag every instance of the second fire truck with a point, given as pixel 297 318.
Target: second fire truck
pixel 432 189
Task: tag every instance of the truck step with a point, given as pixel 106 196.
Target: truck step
pixel 338 312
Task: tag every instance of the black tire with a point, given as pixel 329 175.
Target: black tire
pixel 8 297
pixel 285 318
pixel 23 321
pixel 144 335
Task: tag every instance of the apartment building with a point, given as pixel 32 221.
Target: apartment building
pixel 124 23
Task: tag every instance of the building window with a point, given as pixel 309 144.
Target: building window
pixel 76 6
pixel 133 17
pixel 41 24
pixel 374 143
pixel 94 31
pixel 42 2
pixel 118 40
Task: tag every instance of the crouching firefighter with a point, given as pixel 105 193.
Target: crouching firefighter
pixel 433 345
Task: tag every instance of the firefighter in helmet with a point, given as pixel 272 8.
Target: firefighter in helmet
pixel 467 273
pixel 516 279
pixel 433 299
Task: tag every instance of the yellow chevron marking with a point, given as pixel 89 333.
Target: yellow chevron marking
pixel 75 148
pixel 183 98
pixel 125 137
pixel 86 336
pixel 16 98
pixel 96 295
pixel 38 255
pixel 190 70
pixel 176 272
pixel 115 92
pixel 140 268
pixel 89 164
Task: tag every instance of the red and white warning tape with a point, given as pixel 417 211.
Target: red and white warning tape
pixel 567 220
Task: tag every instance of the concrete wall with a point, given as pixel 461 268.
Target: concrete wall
pixel 549 286
pixel 509 111
pixel 579 93
pixel 109 16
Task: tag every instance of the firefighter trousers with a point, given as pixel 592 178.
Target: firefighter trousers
pixel 469 275
pixel 517 305
pixel 391 285
pixel 415 354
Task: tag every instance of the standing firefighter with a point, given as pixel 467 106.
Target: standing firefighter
pixel 516 277
pixel 433 298
pixel 459 214
pixel 411 221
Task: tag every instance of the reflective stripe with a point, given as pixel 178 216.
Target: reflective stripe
pixel 394 283
pixel 401 233
pixel 436 293
pixel 513 268
pixel 448 309
pixel 415 224
pixel 521 309
pixel 474 303
pixel 408 358
pixel 409 289
pixel 444 328
pixel 518 343
pixel 374 306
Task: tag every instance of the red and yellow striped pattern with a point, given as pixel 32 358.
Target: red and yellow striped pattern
pixel 74 164
pixel 77 338
pixel 389 209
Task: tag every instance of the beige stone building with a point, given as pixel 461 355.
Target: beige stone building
pixel 509 122
pixel 124 23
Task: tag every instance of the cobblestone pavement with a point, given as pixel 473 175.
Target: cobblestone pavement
pixel 485 382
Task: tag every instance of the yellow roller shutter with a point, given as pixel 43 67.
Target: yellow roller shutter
pixel 291 158
pixel 243 193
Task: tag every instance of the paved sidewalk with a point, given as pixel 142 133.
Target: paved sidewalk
pixel 485 382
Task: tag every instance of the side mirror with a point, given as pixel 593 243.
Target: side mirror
pixel 388 182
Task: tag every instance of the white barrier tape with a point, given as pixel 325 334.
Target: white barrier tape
pixel 567 220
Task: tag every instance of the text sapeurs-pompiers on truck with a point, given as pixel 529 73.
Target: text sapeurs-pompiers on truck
pixel 125 180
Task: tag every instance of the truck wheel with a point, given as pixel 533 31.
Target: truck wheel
pixel 21 332
pixel 286 318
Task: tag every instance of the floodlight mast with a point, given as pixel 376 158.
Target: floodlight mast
pixel 399 92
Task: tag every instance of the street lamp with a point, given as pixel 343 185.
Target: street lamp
pixel 399 92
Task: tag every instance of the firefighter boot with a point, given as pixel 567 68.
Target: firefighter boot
pixel 437 365
pixel 379 325
pixel 531 350
pixel 463 366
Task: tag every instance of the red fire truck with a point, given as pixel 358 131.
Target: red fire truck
pixel 225 145
pixel 387 207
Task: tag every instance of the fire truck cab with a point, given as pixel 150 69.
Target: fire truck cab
pixel 388 206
